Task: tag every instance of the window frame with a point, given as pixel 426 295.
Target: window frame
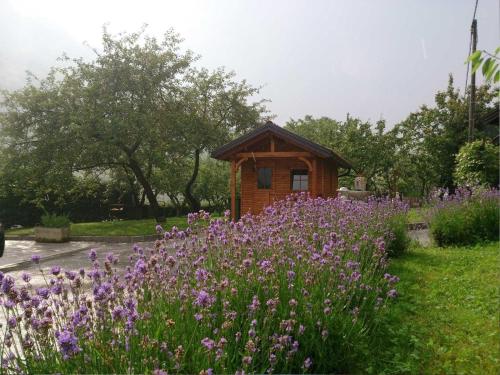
pixel 265 186
pixel 302 173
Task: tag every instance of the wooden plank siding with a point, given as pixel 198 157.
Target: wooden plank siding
pixel 273 147
pixel 254 199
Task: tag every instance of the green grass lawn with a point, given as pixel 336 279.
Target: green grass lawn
pixel 114 228
pixel 445 320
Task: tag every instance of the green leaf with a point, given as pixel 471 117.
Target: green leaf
pixel 476 55
pixel 491 71
pixel 476 65
pixel 486 66
pixel 497 77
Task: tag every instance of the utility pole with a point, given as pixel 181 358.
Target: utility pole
pixel 472 93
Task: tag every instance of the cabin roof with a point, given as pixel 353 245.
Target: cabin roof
pixel 226 151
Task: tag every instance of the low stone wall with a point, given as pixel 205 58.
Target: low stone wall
pixel 43 234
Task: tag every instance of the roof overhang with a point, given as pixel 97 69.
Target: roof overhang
pixel 228 151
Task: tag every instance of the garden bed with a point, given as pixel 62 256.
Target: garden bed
pixel 296 289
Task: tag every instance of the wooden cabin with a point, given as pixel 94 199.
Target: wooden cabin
pixel 274 163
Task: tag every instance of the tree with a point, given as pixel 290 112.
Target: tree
pixel 114 112
pixel 139 103
pixel 358 141
pixel 216 109
pixel 432 136
pixel 212 185
pixel 477 164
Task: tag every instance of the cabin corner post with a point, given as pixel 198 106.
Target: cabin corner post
pixel 314 187
pixel 233 189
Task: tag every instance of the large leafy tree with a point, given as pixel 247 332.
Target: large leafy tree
pixel 216 109
pixel 358 141
pixel 431 137
pixel 113 112
pixel 124 113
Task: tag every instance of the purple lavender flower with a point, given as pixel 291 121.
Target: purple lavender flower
pixel 43 292
pixel 26 277
pixel 203 299
pixel 392 293
pixel 35 259
pixel 118 313
pixel 68 343
pixel 141 266
pixel 92 255
pixel 12 322
pixel 55 270
pixel 307 363
pixel 8 283
pixel 201 274
pixel 209 344
pixel 198 316
pixel 56 289
pixel 70 275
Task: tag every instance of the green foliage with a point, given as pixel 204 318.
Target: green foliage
pixel 413 157
pixel 55 221
pixel 477 164
pixel 137 108
pixel 356 140
pixel 488 64
pixel 397 239
pixel 213 183
pixel 466 223
pixel 444 321
pixel 429 139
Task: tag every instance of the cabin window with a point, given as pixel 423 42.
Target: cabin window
pixel 299 180
pixel 264 176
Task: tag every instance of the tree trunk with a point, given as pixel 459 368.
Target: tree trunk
pixel 193 201
pixel 133 193
pixel 136 168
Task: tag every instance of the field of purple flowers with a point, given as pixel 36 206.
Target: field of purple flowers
pixel 295 289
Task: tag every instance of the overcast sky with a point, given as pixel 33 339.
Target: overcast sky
pixel 374 59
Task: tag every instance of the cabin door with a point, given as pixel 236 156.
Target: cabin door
pixel 264 193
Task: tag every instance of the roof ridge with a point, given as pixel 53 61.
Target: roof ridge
pixel 300 141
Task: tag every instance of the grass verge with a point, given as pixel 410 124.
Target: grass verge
pixel 114 228
pixel 446 318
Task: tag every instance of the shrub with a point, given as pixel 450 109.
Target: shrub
pixel 295 289
pixel 397 237
pixel 466 218
pixel 55 221
pixel 477 164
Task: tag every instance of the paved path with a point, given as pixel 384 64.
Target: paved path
pixel 75 260
pixel 17 251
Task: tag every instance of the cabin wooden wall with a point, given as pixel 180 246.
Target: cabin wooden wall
pixel 253 199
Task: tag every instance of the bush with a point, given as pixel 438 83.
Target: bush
pixel 397 238
pixel 477 164
pixel 295 289
pixel 55 221
pixel 466 218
